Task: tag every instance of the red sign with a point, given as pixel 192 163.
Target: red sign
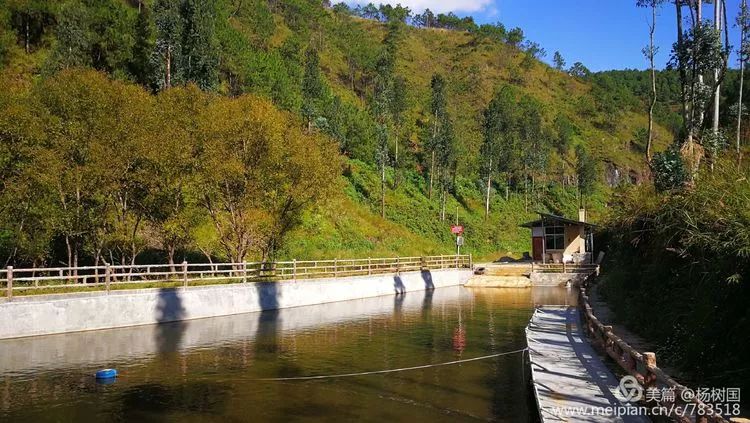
pixel 457 229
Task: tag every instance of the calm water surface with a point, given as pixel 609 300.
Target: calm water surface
pixel 209 370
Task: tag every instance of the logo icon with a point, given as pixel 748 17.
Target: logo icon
pixel 631 389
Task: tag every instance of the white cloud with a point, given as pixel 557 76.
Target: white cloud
pixel 437 6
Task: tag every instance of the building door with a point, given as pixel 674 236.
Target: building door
pixel 537 244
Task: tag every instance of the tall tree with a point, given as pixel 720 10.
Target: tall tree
pixel 437 117
pixel 498 130
pixel 650 52
pixel 141 66
pixel 558 61
pixel 313 87
pixel 743 21
pixel 717 83
pixel 169 30
pixel 200 48
pixel 585 173
pixel 30 19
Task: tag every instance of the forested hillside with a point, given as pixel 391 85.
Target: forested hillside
pixel 116 115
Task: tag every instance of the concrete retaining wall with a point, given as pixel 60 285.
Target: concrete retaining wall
pixel 557 279
pixel 49 314
pixel 113 346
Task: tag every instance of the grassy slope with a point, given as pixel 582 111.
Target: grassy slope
pixel 350 225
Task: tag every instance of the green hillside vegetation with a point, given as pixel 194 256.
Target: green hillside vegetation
pixel 369 85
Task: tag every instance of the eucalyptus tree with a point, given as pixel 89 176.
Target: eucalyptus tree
pixel 169 31
pixel 650 52
pixel 438 112
pixel 698 52
pixel 743 22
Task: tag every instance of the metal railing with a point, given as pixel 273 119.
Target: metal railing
pixel 107 277
pixel 643 367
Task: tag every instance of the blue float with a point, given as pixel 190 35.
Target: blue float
pixel 106 374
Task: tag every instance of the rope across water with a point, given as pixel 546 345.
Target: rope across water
pixel 379 372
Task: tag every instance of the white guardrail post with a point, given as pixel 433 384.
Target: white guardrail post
pixel 185 274
pixel 9 278
pixel 107 276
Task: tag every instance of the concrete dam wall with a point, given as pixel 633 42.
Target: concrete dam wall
pixel 61 313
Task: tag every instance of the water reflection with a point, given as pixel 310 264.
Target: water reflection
pixel 169 312
pixel 210 367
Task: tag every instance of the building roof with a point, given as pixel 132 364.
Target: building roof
pixel 547 218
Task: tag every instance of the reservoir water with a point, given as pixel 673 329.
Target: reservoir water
pixel 214 369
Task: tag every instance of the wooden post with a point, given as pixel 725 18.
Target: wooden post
pixel 564 265
pixel 649 361
pixel 335 267
pixel 369 266
pixel 294 270
pixel 471 262
pixel 184 273
pixel 107 276
pixel 244 271
pixel 9 278
pixel 398 264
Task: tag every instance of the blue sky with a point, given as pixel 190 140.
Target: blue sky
pixel 602 34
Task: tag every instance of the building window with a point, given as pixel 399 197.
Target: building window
pixel 554 237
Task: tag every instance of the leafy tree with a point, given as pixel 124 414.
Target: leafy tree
pixel 425 20
pixel 558 61
pixel 141 65
pixel 169 31
pixel 258 173
pixel 398 13
pixel 437 116
pixel 578 70
pixel 199 45
pixel 31 19
pixel 566 130
pixel 313 87
pixel 585 173
pixel 172 162
pixel 515 37
pixel 669 170
pixel 499 138
pixel 74 40
pixel 532 139
pixel 533 53
pixel 494 32
pixel 369 12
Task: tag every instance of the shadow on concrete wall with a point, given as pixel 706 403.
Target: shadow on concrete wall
pixel 268 295
pixel 267 337
pixel 427 278
pixel 170 313
pixel 398 285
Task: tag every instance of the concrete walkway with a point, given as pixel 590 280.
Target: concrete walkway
pixel 571 382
